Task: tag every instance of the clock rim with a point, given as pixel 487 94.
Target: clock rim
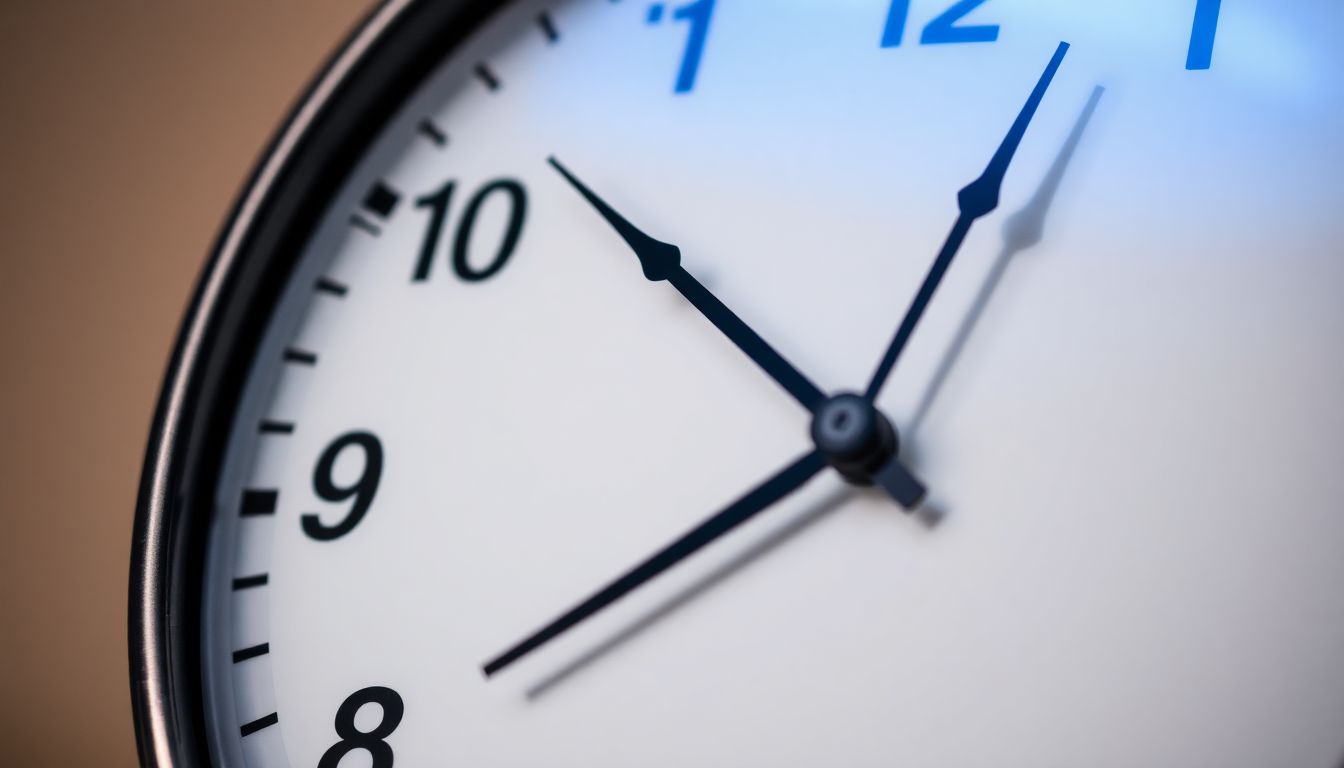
pixel 380 64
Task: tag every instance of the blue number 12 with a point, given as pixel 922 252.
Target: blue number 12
pixel 943 29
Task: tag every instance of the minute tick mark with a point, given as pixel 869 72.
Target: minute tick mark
pixel 488 77
pixel 253 652
pixel 359 222
pixel 265 721
pixel 300 357
pixel 327 285
pixel 276 428
pixel 434 133
pixel 250 582
pixel 547 25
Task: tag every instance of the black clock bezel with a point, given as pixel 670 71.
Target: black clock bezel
pixel 370 76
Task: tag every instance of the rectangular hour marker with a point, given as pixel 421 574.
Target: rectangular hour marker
pixel 327 285
pixel 251 653
pixel 547 27
pixel 257 503
pixel 1201 39
pixel 381 200
pixel 359 222
pixel 300 357
pixel 433 132
pixel 483 72
pixel 261 722
pixel 249 582
pixel 277 428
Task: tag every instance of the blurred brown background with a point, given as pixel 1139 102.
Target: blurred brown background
pixel 125 130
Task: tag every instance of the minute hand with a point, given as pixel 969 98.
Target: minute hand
pixel 662 261
pixel 975 200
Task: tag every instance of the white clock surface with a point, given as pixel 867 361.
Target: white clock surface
pixel 471 410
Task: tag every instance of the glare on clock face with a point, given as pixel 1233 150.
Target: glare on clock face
pixel 472 410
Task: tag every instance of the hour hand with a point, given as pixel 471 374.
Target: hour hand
pixel 662 261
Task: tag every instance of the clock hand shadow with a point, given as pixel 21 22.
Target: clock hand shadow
pixel 1021 231
pixel 806 519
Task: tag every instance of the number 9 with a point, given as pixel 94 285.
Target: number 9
pixel 362 490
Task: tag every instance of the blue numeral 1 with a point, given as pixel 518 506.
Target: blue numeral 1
pixel 698 13
pixel 1201 39
pixel 895 29
pixel 942 29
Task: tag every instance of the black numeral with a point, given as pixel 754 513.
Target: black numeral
pixel 375 741
pixel 363 489
pixel 439 203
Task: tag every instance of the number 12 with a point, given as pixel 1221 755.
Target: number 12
pixel 943 29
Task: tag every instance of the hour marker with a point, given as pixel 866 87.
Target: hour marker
pixel 1201 39
pixel 277 428
pixel 433 132
pixel 251 653
pixel 381 200
pixel 257 503
pixel 249 582
pixel 656 13
pixel 359 222
pixel 547 26
pixel 327 285
pixel 300 357
pixel 487 77
pixel 261 722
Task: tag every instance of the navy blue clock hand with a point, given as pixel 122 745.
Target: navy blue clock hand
pixel 976 200
pixel 662 261
pixel 755 501
pixel 1021 231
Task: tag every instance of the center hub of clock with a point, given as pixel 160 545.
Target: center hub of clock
pixel 854 436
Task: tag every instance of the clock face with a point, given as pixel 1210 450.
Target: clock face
pixel 616 269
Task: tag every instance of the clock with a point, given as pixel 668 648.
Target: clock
pixel 713 382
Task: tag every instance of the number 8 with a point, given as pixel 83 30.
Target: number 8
pixel 374 741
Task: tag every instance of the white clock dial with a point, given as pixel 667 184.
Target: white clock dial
pixel 470 410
